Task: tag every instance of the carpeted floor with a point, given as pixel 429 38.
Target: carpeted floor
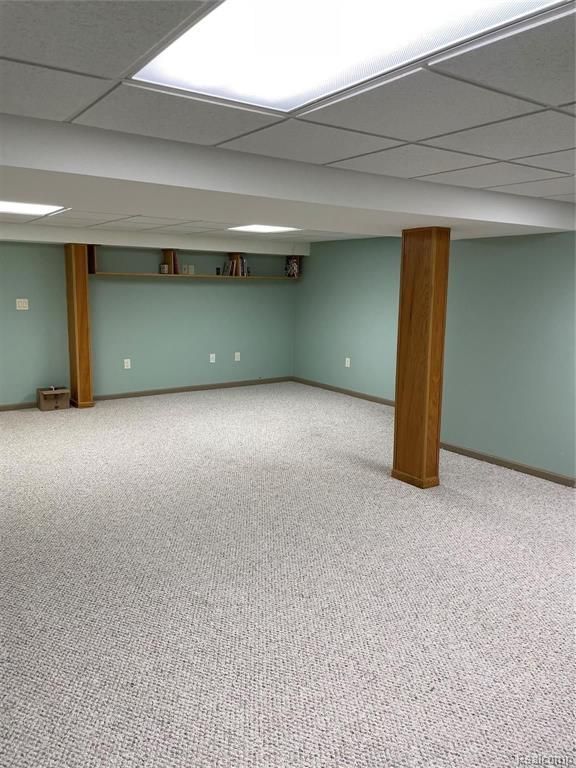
pixel 230 579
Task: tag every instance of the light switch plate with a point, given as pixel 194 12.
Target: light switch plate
pixel 127 363
pixel 236 357
pixel 22 304
pixel 212 357
pixel 347 362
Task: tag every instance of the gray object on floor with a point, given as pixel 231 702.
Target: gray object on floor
pixel 230 578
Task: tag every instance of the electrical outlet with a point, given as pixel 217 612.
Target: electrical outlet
pixel 212 357
pixel 236 357
pixel 21 303
pixel 127 363
pixel 347 362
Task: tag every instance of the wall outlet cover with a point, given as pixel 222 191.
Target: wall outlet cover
pixel 236 357
pixel 22 304
pixel 212 357
pixel 127 363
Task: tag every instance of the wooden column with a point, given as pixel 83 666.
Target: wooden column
pixel 79 326
pixel 420 358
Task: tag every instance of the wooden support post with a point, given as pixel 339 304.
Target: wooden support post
pixel 79 326
pixel 420 358
pixel 92 259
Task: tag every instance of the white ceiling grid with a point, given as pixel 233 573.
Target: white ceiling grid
pixel 501 115
pixel 308 143
pixel 491 176
pixel 537 64
pixel 411 160
pixel 93 37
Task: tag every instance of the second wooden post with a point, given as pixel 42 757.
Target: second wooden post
pixel 420 357
pixel 79 344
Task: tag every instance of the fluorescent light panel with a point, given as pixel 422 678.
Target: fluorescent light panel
pixel 28 209
pixel 262 228
pixel 283 54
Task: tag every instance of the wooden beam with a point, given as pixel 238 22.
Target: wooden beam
pixel 420 357
pixel 79 345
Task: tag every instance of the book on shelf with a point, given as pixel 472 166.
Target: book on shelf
pixel 237 265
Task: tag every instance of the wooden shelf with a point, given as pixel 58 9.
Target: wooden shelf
pixel 193 277
pixel 236 264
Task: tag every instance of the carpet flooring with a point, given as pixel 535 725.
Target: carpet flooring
pixel 230 579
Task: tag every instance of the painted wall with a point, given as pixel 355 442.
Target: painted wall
pixel 169 328
pixel 509 382
pixel 348 307
pixel 33 344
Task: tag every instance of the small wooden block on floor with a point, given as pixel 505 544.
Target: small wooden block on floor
pixel 53 399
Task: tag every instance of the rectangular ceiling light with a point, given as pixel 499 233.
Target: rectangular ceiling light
pixel 283 54
pixel 262 228
pixel 28 209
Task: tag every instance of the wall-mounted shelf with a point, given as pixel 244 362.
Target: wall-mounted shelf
pixel 234 268
pixel 194 277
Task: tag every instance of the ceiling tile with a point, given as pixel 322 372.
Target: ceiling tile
pixel 197 226
pixel 537 63
pixel 551 188
pixel 490 175
pixel 36 92
pixel 100 37
pixel 13 218
pixel 154 221
pixel 411 160
pixel 313 235
pixel 418 106
pixel 169 116
pixel 308 143
pixel 56 221
pixel 530 135
pixel 88 216
pixel 137 222
pixel 555 161
pixel 570 107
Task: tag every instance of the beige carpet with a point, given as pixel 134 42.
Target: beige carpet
pixel 230 579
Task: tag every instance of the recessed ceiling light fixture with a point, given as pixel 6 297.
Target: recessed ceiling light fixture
pixel 263 228
pixel 28 209
pixel 288 53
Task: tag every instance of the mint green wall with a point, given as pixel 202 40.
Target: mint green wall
pixel 169 328
pixel 33 344
pixel 509 381
pixel 348 307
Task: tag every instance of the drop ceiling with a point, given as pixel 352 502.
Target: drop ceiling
pixel 500 115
